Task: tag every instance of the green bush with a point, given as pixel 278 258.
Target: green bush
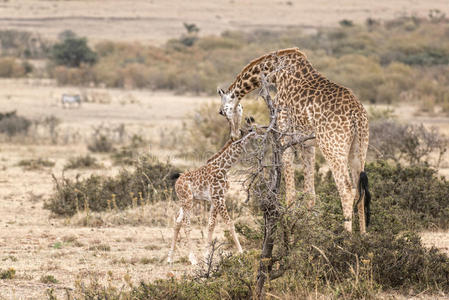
pixel 149 182
pixel 48 279
pixel 322 256
pixel 403 197
pixel 315 255
pixel 411 197
pixel 72 52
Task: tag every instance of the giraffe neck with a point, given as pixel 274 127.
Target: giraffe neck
pixel 227 156
pixel 249 78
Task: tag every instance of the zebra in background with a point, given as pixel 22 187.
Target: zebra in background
pixel 69 100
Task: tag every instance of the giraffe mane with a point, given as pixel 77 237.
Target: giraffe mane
pixel 228 143
pixel 261 58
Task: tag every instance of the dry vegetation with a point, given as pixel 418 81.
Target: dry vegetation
pixel 86 191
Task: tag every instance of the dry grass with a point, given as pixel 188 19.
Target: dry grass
pixel 156 21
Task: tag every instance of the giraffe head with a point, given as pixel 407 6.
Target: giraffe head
pixel 232 110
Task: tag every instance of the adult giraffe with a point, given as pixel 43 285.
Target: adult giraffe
pixel 308 103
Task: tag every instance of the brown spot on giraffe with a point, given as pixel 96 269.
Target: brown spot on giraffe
pixel 309 103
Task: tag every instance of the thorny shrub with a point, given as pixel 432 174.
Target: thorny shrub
pixel 35 164
pixel 414 144
pixel 149 182
pixel 85 161
pixel 314 255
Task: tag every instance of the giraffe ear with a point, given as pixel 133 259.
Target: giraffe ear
pixel 220 92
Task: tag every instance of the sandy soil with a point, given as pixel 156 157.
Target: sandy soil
pixel 156 21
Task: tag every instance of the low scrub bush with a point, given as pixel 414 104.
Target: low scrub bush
pixel 403 197
pixel 8 274
pixel 82 75
pixel 11 124
pixel 23 44
pixel 47 279
pixel 128 154
pixel 412 197
pixel 314 255
pixel 149 182
pixel 10 68
pixel 101 143
pixel 86 161
pixel 36 164
pixel 414 144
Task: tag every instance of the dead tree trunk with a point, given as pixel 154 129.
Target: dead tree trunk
pixel 270 204
pixel 269 200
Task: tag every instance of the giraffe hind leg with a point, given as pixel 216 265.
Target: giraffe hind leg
pixel 289 175
pixel 357 157
pixel 177 228
pixel 188 230
pixel 337 157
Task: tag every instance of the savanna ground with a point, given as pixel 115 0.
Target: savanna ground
pixel 36 245
pixel 130 246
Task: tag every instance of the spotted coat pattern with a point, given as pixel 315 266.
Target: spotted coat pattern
pixel 209 182
pixel 309 103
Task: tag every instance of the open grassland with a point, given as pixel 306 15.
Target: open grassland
pixel 112 247
pixel 131 245
pixel 149 97
pixel 156 21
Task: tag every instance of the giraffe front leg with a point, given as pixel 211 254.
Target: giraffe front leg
pixel 289 176
pixel 210 230
pixel 308 158
pixel 178 224
pixel 224 214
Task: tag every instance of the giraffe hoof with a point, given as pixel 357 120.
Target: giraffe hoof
pixel 192 259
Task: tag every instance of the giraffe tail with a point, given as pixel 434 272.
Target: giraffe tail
pixel 363 185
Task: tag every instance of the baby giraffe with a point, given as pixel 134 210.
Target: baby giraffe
pixel 210 183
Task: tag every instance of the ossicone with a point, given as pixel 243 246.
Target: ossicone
pixel 220 91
